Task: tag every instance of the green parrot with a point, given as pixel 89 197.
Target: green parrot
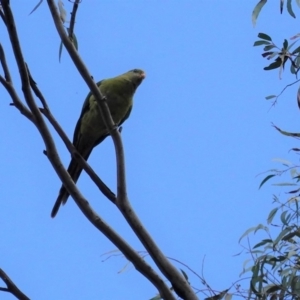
pixel 90 129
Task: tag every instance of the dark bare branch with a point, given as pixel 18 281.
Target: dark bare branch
pixel 73 17
pixel 8 85
pixel 4 65
pixel 16 100
pixel 36 90
pixel 2 16
pixel 11 287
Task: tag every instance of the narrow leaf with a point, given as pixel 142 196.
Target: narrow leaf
pixel 35 8
pixel 292 44
pixel 269 54
pixel 290 9
pixel 283 217
pixel 266 179
pixel 270 97
pixel 260 226
pixel 272 289
pixel 281 5
pixel 60 50
pixel 273 65
pixel 294 191
pixel 264 36
pixel 298 97
pixel 269 47
pixel 295 36
pixel 257 10
pixel 292 68
pixel 293 134
pixel 261 42
pixel 263 242
pixel 272 215
pixel 283 161
pixel 296 50
pixel 284 58
pixel 282 234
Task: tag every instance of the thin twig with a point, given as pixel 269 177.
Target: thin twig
pixel 16 100
pixel 8 85
pixel 288 85
pixel 73 16
pixel 37 91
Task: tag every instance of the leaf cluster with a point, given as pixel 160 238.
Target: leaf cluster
pixel 258 7
pixel 276 258
pixel 281 55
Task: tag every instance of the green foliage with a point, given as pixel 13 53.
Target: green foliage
pixel 276 258
pixel 274 262
pixel 258 7
pixel 256 10
pixel 270 97
pixel 281 55
pixel 266 179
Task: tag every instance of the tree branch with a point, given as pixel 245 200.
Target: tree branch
pixel 2 16
pixel 84 164
pixel 4 65
pixel 8 85
pixel 53 157
pixel 179 283
pixel 73 17
pixel 11 287
pixel 47 113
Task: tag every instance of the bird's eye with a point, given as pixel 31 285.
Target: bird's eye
pixel 135 71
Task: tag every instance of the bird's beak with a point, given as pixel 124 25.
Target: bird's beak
pixel 143 75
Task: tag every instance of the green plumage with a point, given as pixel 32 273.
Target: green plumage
pixel 90 129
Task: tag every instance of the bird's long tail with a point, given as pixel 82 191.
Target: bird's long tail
pixel 74 170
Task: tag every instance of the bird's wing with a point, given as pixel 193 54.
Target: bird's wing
pixel 102 138
pixel 126 116
pixel 85 109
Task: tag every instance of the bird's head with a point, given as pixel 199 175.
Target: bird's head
pixel 136 76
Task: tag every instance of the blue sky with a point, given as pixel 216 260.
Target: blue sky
pixel 199 133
